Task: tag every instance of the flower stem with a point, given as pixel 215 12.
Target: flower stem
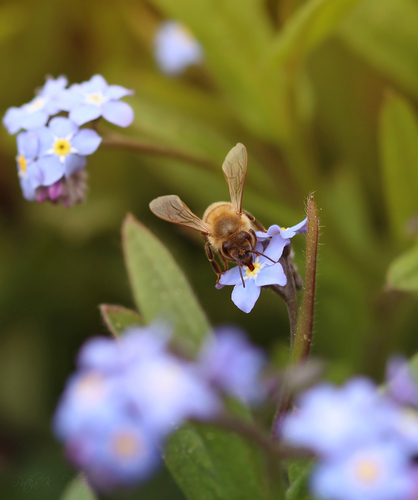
pixel 117 141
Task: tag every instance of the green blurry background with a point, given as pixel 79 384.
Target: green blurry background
pixel 322 93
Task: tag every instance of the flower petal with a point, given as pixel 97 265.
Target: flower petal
pixel 86 141
pixel 68 99
pixel 46 140
pixel 302 227
pixel 245 298
pixel 271 275
pixel 275 248
pixel 12 120
pixel 230 277
pixel 85 113
pixel 117 92
pixel 28 144
pixel 74 163
pixel 118 113
pixel 52 169
pixel 35 120
pixel 62 127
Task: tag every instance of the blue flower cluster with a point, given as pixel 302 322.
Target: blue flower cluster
pixel 267 268
pixel 52 151
pixel 128 394
pixel 366 440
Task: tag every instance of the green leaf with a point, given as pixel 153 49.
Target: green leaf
pixel 399 153
pixel 299 473
pixel 78 489
pixel 117 318
pixel 403 272
pixel 385 34
pixel 310 26
pixel 159 287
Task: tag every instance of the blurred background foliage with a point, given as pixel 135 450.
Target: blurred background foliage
pixel 322 93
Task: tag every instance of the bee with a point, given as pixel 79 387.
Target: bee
pixel 226 228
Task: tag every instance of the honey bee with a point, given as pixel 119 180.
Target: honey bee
pixel 226 228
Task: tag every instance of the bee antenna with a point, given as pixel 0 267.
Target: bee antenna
pixel 263 255
pixel 242 278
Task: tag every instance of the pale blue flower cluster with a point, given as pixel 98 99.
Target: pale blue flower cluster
pixel 267 268
pixel 366 441
pixel 128 394
pixel 175 48
pixel 52 151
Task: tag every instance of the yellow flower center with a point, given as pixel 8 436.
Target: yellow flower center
pixel 257 269
pixel 62 147
pixel 95 98
pixel 125 445
pixel 367 470
pixel 22 164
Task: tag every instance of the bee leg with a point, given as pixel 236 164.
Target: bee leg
pixel 224 262
pixel 211 258
pixel 257 224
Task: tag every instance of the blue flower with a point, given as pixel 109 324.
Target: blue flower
pixel 176 48
pixel 330 419
pixel 63 148
pixel 37 112
pixel 400 382
pixel 267 271
pixel 233 365
pixel 30 175
pixel 284 232
pixel 90 100
pixel 372 472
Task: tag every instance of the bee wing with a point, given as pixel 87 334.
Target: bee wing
pixel 235 171
pixel 172 209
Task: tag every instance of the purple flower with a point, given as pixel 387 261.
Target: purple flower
pixel 267 271
pixel 66 192
pixel 63 148
pixel 176 48
pixel 284 232
pixel 329 419
pixel 37 112
pixel 29 173
pixel 372 472
pixel 90 100
pixel 400 382
pixel 233 365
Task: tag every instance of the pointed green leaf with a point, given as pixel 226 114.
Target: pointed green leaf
pixel 159 287
pixel 385 34
pixel 117 318
pixel 403 272
pixel 78 489
pixel 399 155
pixel 311 25
pixel 299 473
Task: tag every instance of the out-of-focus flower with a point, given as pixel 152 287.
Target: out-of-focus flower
pixel 284 232
pixel 233 365
pixel 67 192
pixel 267 271
pixel 379 471
pixel 176 48
pixel 37 112
pixel 88 101
pixel 30 176
pixel 63 149
pixel 400 382
pixel 329 419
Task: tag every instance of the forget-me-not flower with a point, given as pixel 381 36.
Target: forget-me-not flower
pixel 89 100
pixel 37 112
pixel 267 271
pixel 176 48
pixel 63 149
pixel 30 176
pixel 284 232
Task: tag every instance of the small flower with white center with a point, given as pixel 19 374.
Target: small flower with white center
pixel 89 100
pixel 63 148
pixel 30 176
pixel 176 48
pixel 267 271
pixel 37 112
pixel 379 471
